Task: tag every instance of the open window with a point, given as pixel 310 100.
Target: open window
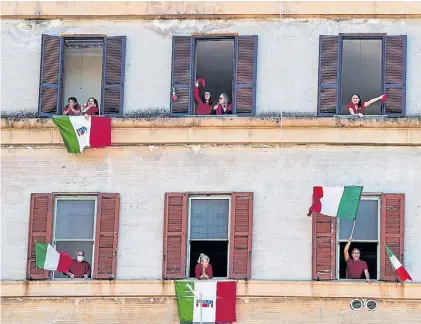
pixel 82 66
pixel 228 64
pixel 365 238
pixel 365 64
pixel 218 225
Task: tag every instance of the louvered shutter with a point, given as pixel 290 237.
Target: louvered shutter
pixel 113 66
pixel 395 76
pixel 329 89
pixel 246 73
pixel 49 102
pixel 391 233
pixel 175 226
pixel 181 74
pixel 241 235
pixel 324 247
pixel 40 227
pixel 106 236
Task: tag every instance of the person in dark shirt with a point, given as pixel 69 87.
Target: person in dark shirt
pixel 79 268
pixel 354 266
pixel 203 269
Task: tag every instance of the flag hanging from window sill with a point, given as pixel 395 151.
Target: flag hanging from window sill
pixel 339 202
pixel 208 301
pixel 79 132
pixel 397 266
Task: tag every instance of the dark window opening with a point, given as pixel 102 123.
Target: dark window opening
pixel 362 73
pixel 368 254
pixel 215 64
pixel 218 255
pixel 82 69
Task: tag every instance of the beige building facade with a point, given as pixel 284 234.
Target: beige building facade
pixel 282 139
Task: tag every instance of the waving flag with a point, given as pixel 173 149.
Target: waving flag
pixel 206 301
pixel 48 258
pixel 340 202
pixel 397 266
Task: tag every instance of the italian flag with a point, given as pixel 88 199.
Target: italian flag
pixel 48 258
pixel 340 202
pixel 202 301
pixel 397 266
pixel 79 132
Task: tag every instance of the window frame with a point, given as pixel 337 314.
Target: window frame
pixel 188 248
pixel 193 64
pixel 53 239
pixel 64 38
pixel 338 241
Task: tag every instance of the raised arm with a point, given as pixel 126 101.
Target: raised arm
pixel 368 103
pixel 196 93
pixel 346 249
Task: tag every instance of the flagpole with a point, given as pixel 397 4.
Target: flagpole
pixel 353 227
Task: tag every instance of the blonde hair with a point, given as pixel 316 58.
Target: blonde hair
pixel 225 98
pixel 202 256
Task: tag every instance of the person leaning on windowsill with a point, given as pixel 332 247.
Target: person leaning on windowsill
pixel 79 268
pixel 354 266
pixel 203 268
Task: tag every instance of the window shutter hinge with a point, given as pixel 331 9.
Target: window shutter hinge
pixel 115 251
pixel 115 234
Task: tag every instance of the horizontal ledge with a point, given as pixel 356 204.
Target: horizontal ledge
pixel 252 288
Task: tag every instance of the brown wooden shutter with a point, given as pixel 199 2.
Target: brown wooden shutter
pixel 49 102
pixel 40 227
pixel 395 77
pixel 391 233
pixel 175 236
pixel 246 74
pixel 324 247
pixel 181 74
pixel 329 89
pixel 113 66
pixel 241 235
pixel 106 236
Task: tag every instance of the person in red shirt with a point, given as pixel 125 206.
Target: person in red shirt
pixel 79 268
pixel 204 103
pixel 203 269
pixel 354 266
pixel 223 107
pixel 356 106
pixel 72 108
pixel 91 107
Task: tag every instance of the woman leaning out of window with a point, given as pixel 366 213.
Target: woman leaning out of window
pixel 356 106
pixel 203 268
pixel 223 107
pixel 91 107
pixel 72 108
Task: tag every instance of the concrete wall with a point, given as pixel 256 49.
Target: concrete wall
pixel 287 59
pixel 281 179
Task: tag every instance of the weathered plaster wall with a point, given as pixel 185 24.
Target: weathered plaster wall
pixel 281 179
pixel 287 58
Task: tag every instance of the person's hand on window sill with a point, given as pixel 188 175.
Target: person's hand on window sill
pixel 368 281
pixel 360 115
pixel 71 276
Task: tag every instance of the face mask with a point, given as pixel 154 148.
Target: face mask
pixel 79 258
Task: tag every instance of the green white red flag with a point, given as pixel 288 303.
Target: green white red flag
pixel 397 266
pixel 339 202
pixel 202 301
pixel 79 132
pixel 48 258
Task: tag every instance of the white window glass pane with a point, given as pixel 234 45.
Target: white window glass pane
pixel 209 219
pixel 366 225
pixel 71 248
pixel 75 219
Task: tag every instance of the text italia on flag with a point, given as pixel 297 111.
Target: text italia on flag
pixel 206 301
pixel 79 132
pixel 340 202
pixel 397 266
pixel 48 258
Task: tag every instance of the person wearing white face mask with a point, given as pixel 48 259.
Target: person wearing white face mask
pixel 79 268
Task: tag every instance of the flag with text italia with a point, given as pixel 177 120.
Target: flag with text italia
pixel 79 132
pixel 339 202
pixel 203 301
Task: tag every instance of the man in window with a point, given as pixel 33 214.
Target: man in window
pixel 354 266
pixel 79 268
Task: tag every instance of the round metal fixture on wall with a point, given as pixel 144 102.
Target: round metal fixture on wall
pixel 371 304
pixel 356 304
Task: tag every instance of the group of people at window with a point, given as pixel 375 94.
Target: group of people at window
pixel 73 108
pixel 205 104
